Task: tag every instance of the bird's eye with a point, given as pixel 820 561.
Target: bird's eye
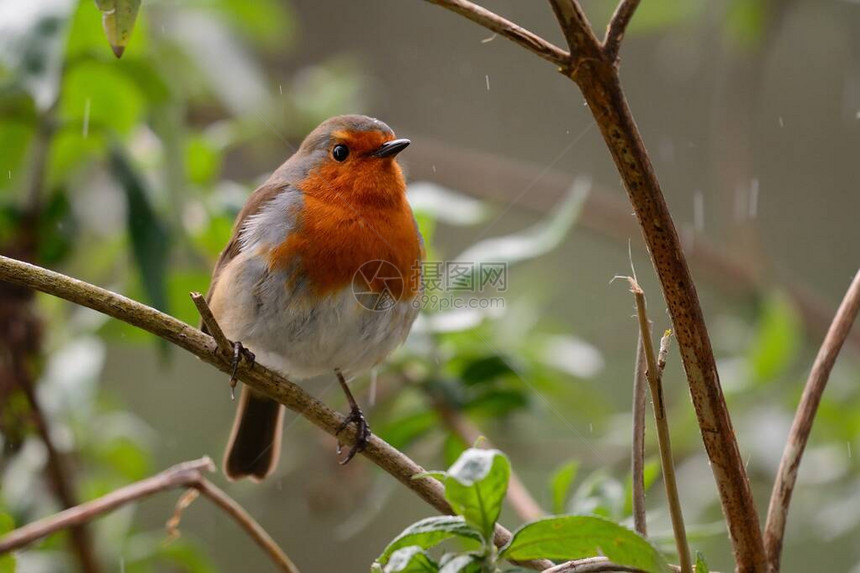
pixel 340 152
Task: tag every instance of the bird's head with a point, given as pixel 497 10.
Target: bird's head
pixel 353 157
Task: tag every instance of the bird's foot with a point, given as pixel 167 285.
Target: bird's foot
pixel 239 353
pixel 362 433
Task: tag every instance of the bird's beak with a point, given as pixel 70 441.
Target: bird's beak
pixel 391 148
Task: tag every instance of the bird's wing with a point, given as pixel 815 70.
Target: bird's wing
pixel 255 203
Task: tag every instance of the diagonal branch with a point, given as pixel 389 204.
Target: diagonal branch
pixel 786 477
pixel 617 26
pixel 187 474
pixel 492 21
pixel 256 376
pixel 597 77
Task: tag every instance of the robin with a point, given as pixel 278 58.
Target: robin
pixel 319 276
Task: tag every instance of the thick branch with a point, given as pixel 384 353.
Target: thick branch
pixel 654 375
pixel 786 477
pixel 617 26
pixel 597 77
pixel 187 474
pixel 255 376
pixel 491 21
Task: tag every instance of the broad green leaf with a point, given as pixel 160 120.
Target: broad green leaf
pixel 777 339
pixel 98 97
pixel 410 560
pixel 402 431
pixel 485 369
pixel 560 483
pixel 461 563
pixel 118 18
pixel 533 242
pixel 149 237
pixel 7 561
pixel 570 537
pixel 476 485
pixel 701 564
pixel 495 402
pixel 430 532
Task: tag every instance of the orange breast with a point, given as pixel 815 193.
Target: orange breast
pixel 346 222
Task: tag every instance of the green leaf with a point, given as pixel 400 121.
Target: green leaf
pixel 410 560
pixel 745 22
pixel 701 565
pixel 485 369
pixel 149 237
pixel 98 97
pixel 475 487
pixel 533 242
pixel 560 483
pixel 777 339
pixel 461 563
pixel 118 18
pixel 430 532
pixel 7 561
pixel 402 431
pixel 570 537
pixel 600 494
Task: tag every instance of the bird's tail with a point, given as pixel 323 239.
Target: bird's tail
pixel 255 442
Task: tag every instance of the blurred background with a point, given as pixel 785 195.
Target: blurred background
pixel 128 173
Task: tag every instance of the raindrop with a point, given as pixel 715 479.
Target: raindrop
pixel 781 122
pixel 488 82
pixel 698 211
pixel 87 118
pixel 753 198
pixel 490 39
pixel 281 89
pixel 434 168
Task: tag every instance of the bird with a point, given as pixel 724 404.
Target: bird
pixel 320 276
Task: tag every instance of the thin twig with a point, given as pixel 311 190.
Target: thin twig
pixel 256 376
pixel 637 465
pixel 518 496
pixel 528 40
pixel 801 427
pixel 618 25
pixel 590 565
pixel 596 74
pixel 211 324
pixel 187 474
pixel 248 523
pixel 663 436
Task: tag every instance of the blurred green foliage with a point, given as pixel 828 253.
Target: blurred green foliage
pixel 137 168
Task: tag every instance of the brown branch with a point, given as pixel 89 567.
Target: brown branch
pixel 596 74
pixel 187 474
pixel 248 523
pixel 654 375
pixel 528 40
pixel 618 26
pixel 211 324
pixel 256 376
pixel 590 565
pixel 786 477
pixel 637 457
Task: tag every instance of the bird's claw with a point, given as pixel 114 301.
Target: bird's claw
pixel 362 434
pixel 239 352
